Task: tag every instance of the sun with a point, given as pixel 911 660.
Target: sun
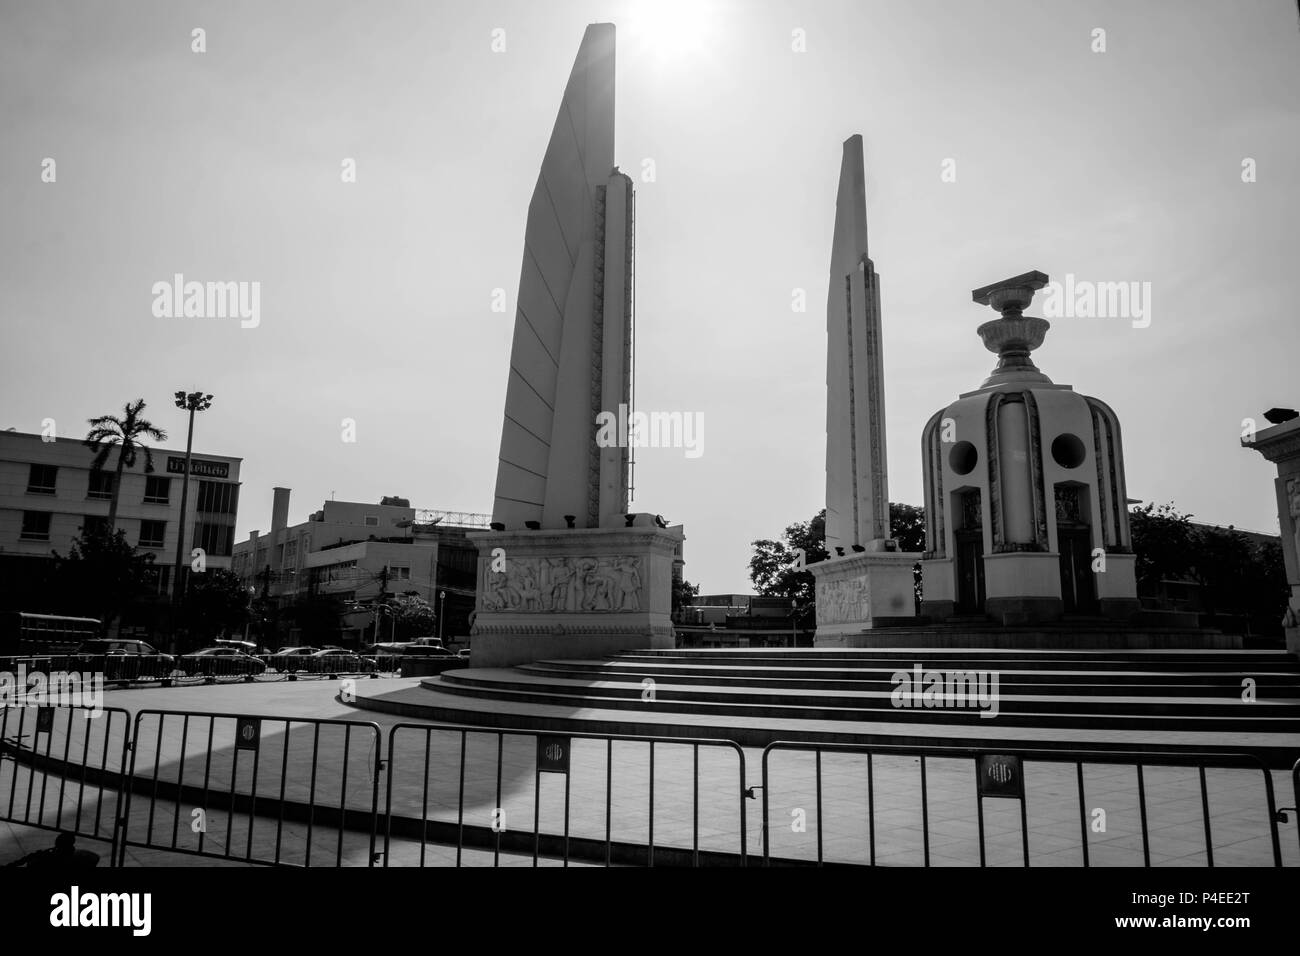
pixel 667 32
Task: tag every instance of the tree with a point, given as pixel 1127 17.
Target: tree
pixel 907 526
pixel 1238 576
pixel 1223 563
pixel 316 615
pixel 1267 592
pixel 1235 574
pixel 1163 543
pixel 102 574
pixel 775 567
pixel 215 601
pixel 683 591
pixel 108 431
pixel 415 617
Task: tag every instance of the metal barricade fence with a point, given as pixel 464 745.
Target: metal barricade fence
pixel 189 669
pixel 19 665
pixel 1000 774
pixel 113 668
pixel 281 790
pixel 1295 796
pixel 544 756
pixel 197 785
pixel 72 784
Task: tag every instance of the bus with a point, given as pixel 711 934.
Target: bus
pixel 22 633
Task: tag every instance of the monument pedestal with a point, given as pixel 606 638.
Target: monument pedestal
pixel 581 592
pixel 860 592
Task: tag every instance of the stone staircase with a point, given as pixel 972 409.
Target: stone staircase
pixel 1123 699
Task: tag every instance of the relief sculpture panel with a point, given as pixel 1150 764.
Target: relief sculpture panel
pixel 842 602
pixel 609 583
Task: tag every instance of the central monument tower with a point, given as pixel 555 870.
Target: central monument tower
pixel 567 570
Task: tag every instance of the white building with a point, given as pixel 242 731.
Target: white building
pixel 361 554
pixel 48 493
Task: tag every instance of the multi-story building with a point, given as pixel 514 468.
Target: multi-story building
pixel 743 620
pixel 363 555
pixel 48 493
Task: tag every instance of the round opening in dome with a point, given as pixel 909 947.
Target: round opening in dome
pixel 1068 451
pixel 963 458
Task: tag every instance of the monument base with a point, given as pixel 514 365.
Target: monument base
pixel 580 592
pixel 861 592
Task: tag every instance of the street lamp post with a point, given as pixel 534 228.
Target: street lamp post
pixel 385 609
pixel 442 606
pixel 191 402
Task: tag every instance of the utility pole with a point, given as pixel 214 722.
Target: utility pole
pixel 442 608
pixel 383 601
pixel 265 575
pixel 192 402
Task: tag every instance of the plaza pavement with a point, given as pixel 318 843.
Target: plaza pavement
pixel 284 766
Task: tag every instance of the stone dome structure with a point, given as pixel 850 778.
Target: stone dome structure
pixel 1025 500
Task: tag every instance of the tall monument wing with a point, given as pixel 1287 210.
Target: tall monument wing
pixel 857 494
pixel 560 377
pixel 585 577
pixel 862 589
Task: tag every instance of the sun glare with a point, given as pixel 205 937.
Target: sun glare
pixel 670 31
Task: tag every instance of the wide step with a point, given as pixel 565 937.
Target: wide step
pixel 1175 699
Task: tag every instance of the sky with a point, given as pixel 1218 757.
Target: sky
pixel 998 140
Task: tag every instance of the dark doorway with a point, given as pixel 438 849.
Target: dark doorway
pixel 970 572
pixel 969 539
pixel 1078 589
pixel 1074 541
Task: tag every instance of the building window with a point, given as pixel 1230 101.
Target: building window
pixel 216 540
pixel 157 491
pixel 157 578
pixel 92 524
pixel 101 485
pixel 399 574
pixel 217 497
pixel 36 526
pixel 372 521
pixel 41 479
pixel 341 573
pixel 151 533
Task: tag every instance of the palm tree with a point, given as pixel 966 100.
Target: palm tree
pixel 108 431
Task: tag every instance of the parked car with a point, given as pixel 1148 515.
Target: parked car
pixel 414 649
pixel 336 661
pixel 124 659
pixel 220 661
pixel 248 647
pixel 291 658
